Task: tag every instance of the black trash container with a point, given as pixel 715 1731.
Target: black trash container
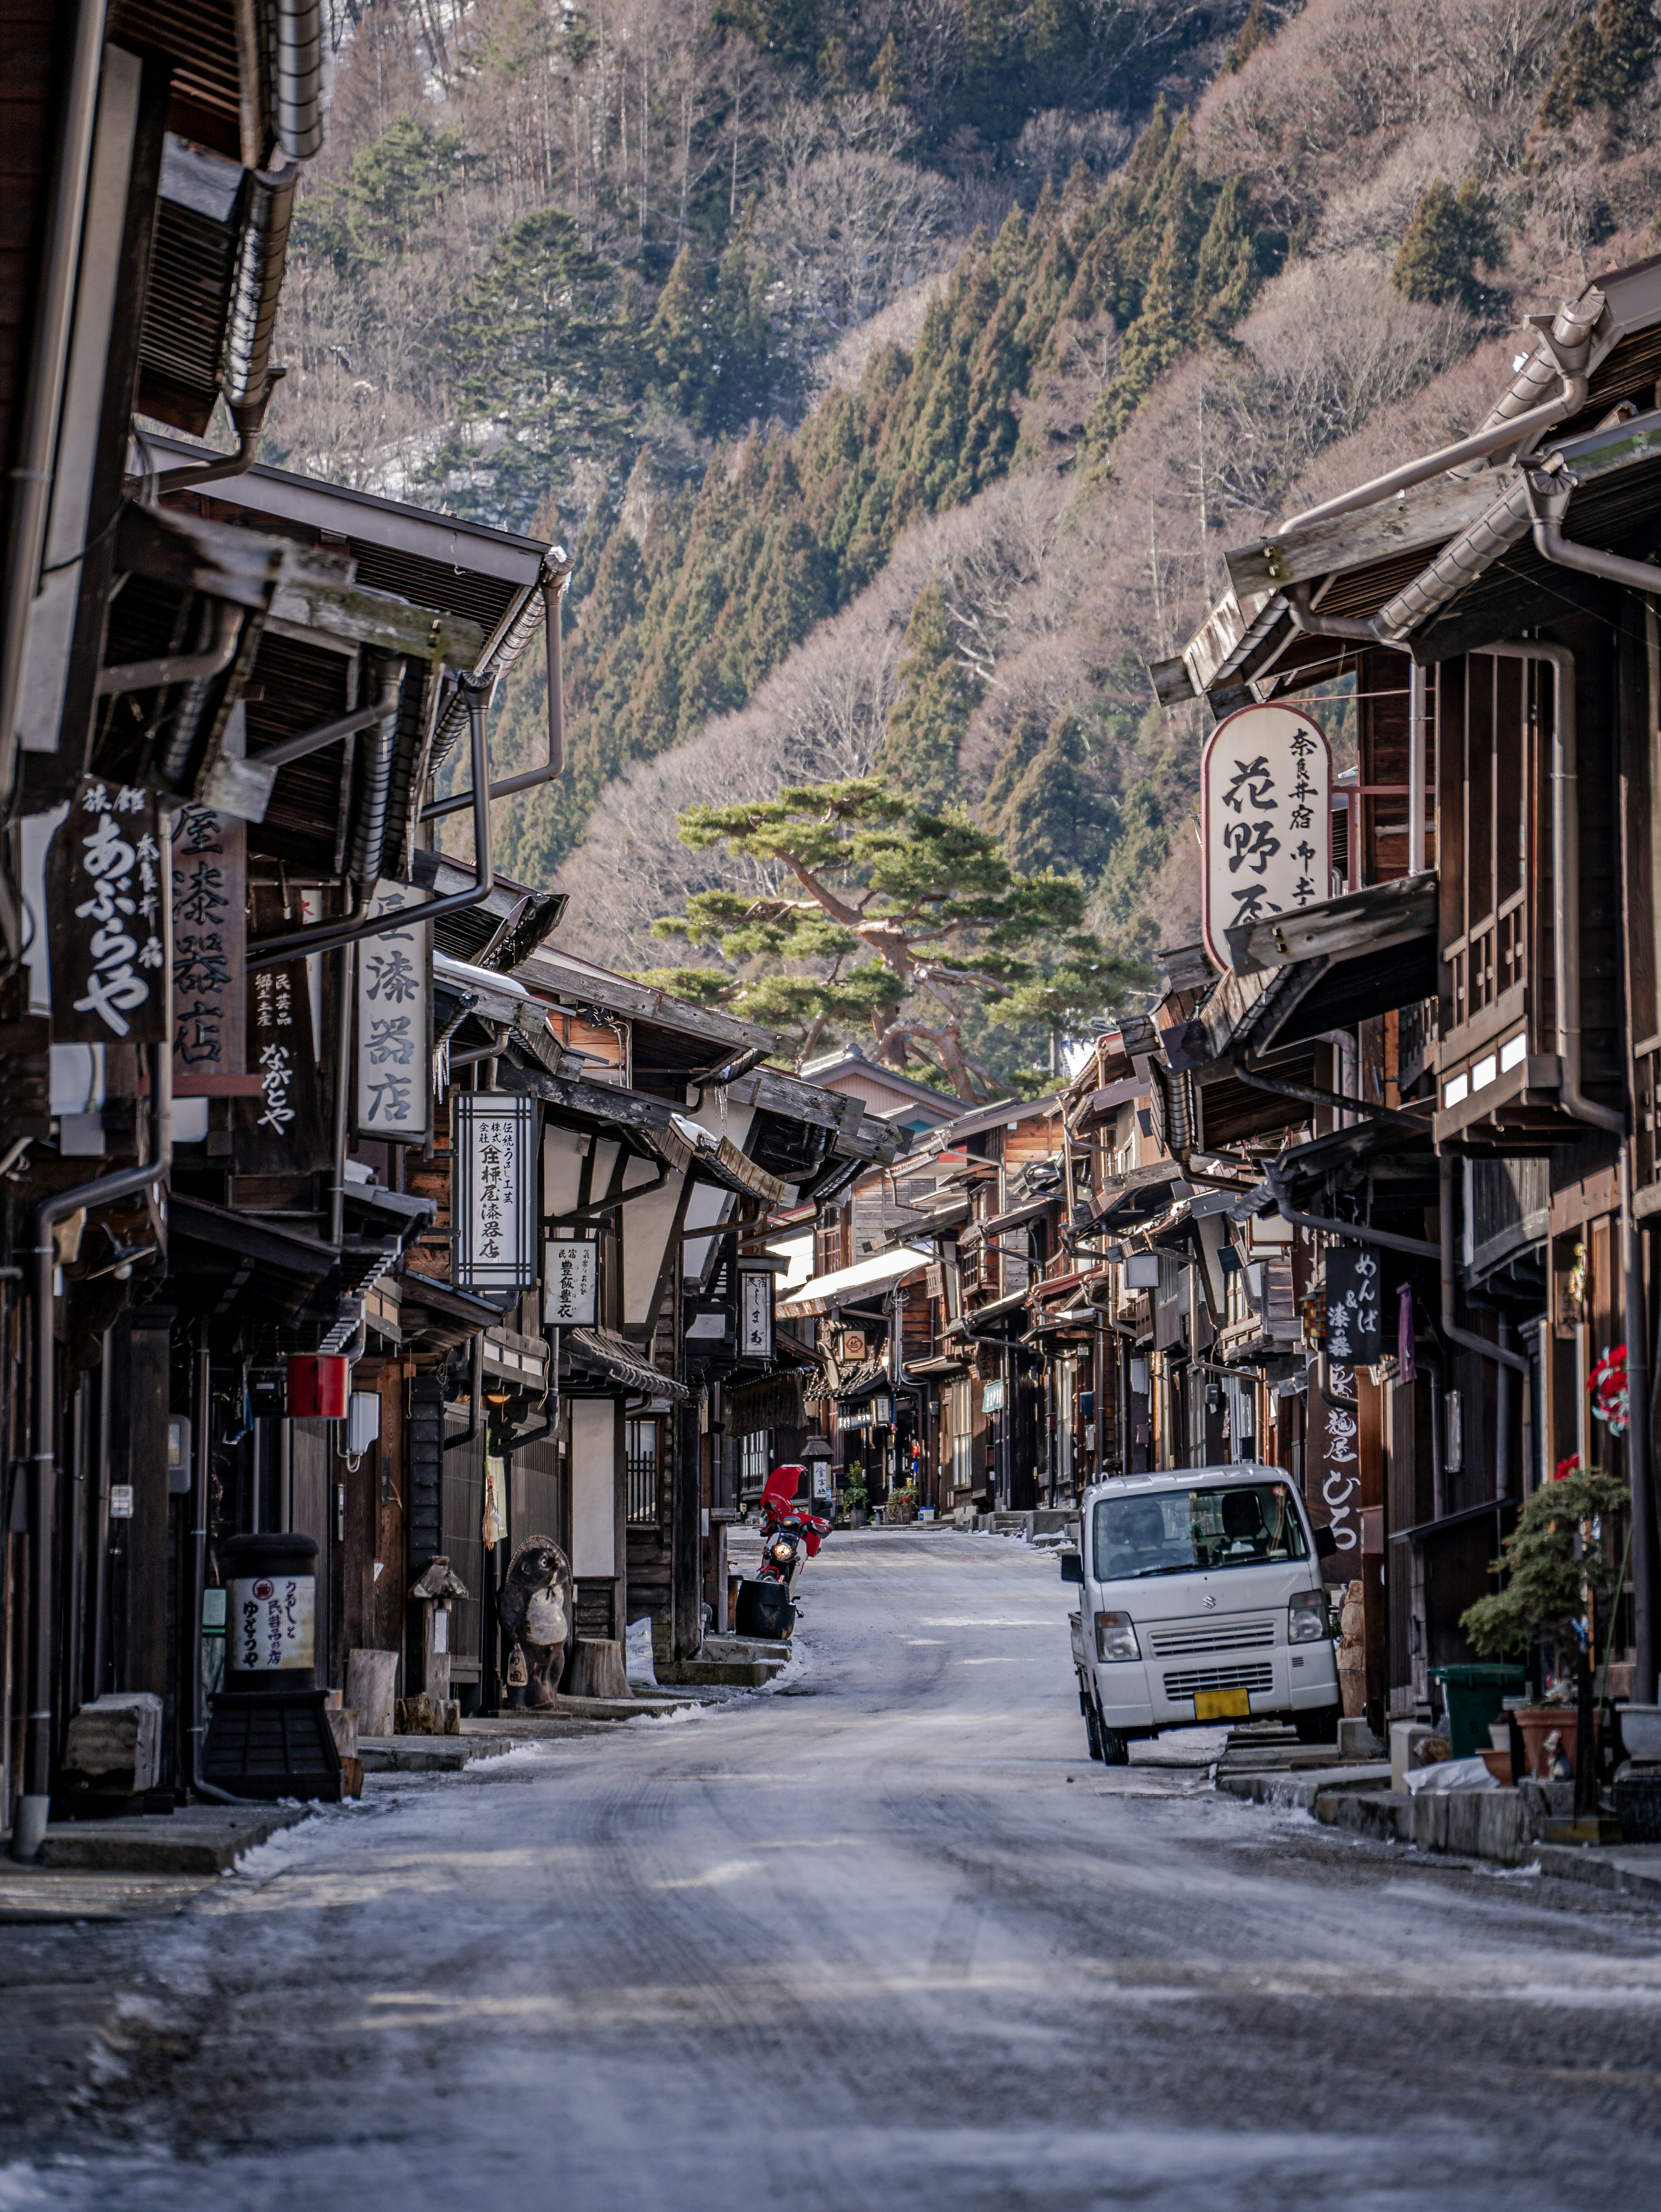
pixel 764 1611
pixel 270 1735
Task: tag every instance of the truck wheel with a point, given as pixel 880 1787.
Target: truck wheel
pixel 1116 1748
pixel 1092 1726
pixel 1319 1727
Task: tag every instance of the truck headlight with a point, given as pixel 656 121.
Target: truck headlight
pixel 1307 1618
pixel 1116 1637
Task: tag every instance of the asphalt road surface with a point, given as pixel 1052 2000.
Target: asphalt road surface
pixel 880 1937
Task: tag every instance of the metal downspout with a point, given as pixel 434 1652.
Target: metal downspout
pixel 325 936
pixel 1517 420
pixel 201 1486
pixel 32 479
pixel 555 577
pixel 126 1182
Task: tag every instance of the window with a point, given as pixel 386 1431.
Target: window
pixel 753 1464
pixel 1179 1532
pixel 640 1459
pixel 963 1437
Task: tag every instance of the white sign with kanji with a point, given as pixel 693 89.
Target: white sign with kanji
pixel 1265 820
pixel 568 1281
pixel 394 992
pixel 493 1186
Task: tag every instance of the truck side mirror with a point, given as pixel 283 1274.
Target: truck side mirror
pixel 1072 1567
pixel 1326 1544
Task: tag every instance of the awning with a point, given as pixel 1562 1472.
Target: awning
pixel 878 1273
pixel 1130 1200
pixel 608 1357
pixel 435 1317
pixel 774 1402
pixel 944 1369
pixel 1102 1105
pixel 239 1264
pixel 1013 1216
pixel 1341 961
pixel 995 1309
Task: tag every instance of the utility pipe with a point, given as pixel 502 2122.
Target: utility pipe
pixel 177 667
pixel 327 733
pixel 30 1826
pixel 1418 753
pixel 32 479
pixel 1517 421
pixel 201 1488
pixel 325 936
pixel 475 1399
pixel 343 1076
pixel 556 575
pixel 1549 498
pixel 1309 1094
pixel 1639 1470
pixel 1354 1232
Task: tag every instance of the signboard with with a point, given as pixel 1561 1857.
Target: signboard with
pixel 568 1282
pixel 394 1008
pixel 992 1396
pixel 273 1622
pixel 494 1174
pixel 1353 1304
pixel 1332 1485
pixel 281 1132
pixel 209 871
pixel 1265 820
pixel 106 930
pixel 756 1316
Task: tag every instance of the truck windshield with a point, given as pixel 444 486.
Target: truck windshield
pixel 1250 1524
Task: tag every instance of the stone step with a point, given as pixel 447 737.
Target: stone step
pixel 428 1754
pixel 720 1674
pixel 200 1839
pixel 747 1648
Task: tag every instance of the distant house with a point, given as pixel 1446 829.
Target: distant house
pixel 888 1094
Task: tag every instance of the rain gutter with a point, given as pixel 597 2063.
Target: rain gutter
pixel 34 1805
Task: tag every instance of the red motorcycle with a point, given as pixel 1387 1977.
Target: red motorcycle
pixel 790 1536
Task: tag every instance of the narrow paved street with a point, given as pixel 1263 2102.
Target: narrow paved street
pixel 880 1937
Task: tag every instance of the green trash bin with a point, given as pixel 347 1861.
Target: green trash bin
pixel 1475 1697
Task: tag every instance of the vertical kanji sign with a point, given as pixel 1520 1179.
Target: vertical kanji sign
pixel 106 927
pixel 209 863
pixel 281 1131
pixel 569 1285
pixel 394 1004
pixel 494 1178
pixel 1355 1330
pixel 1265 820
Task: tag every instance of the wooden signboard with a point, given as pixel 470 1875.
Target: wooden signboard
pixel 1265 820
pixel 281 1131
pixel 394 1089
pixel 107 930
pixel 210 874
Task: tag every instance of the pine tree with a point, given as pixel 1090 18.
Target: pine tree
pixel 1056 812
pixel 1605 58
pixel 885 914
pixel 927 721
pixel 1235 258
pixel 1449 234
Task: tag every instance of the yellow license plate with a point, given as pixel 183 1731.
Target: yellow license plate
pixel 1222 1705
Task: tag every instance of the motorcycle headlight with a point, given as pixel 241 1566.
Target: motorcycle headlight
pixel 1116 1637
pixel 784 1551
pixel 1306 1616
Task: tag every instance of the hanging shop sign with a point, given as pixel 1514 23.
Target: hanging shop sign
pixel 209 864
pixel 756 1316
pixel 1332 1480
pixel 395 1021
pixel 281 1131
pixel 494 1135
pixel 1265 820
pixel 992 1396
pixel 568 1283
pixel 875 1413
pixel 1354 1301
pixel 107 931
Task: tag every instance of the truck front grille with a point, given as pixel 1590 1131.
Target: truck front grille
pixel 1176 1640
pixel 1248 1677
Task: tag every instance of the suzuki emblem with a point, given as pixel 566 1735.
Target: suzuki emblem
pixel 1211 1604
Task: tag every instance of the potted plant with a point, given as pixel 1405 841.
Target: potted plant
pixel 902 1504
pixel 855 1499
pixel 1545 1592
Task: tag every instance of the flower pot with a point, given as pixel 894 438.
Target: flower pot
pixel 1498 1764
pixel 1536 1723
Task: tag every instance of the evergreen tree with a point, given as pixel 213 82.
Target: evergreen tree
pixel 1449 234
pixel 927 721
pixel 1235 258
pixel 887 915
pixel 1605 58
pixel 1055 812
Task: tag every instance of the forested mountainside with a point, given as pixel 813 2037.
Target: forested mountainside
pixel 899 371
